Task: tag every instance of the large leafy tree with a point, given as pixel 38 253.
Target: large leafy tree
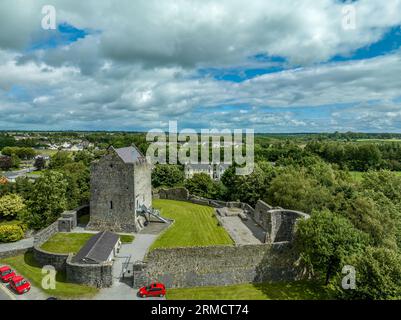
pixel 294 189
pixel 201 185
pixel 248 188
pixel 60 159
pixel 325 240
pixel 11 205
pixel 167 175
pixel 47 200
pixel 377 275
pixel 77 176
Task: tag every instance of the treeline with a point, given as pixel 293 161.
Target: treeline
pixel 36 204
pixel 359 156
pixel 352 223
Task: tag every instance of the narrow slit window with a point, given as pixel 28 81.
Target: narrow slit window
pixel 111 205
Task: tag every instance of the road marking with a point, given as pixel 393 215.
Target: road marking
pixel 7 292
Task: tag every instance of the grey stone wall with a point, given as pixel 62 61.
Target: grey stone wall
pixel 117 189
pixel 44 258
pixel 217 265
pixel 180 194
pixel 260 214
pixel 143 184
pixel 12 253
pixel 42 236
pixel 96 275
pixel 283 224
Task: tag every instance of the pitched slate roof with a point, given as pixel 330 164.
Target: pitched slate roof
pixel 97 249
pixel 129 154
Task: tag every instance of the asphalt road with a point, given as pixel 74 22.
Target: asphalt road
pixel 3 294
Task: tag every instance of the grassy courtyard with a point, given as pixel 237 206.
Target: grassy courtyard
pixel 29 268
pixel 73 242
pixel 194 225
pixel 267 291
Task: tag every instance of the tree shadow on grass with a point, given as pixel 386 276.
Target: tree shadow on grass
pixel 297 290
pixel 30 261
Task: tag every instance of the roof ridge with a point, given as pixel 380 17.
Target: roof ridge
pixel 94 245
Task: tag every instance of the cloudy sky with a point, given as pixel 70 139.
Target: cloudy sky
pixel 269 65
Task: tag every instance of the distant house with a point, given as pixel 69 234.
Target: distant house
pixel 102 247
pixel 215 171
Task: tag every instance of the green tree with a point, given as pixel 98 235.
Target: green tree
pixel 167 175
pixel 11 205
pixel 77 176
pixel 325 240
pixel 378 275
pixel 294 189
pixel 40 163
pixel 248 188
pixel 201 185
pixel 59 160
pixel 47 200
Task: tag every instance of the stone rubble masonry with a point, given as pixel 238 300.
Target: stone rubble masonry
pixel 180 194
pixel 44 258
pixel 42 236
pixel 278 223
pixel 217 265
pixel 117 190
pixel 97 275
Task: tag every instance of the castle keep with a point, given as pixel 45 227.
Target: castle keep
pixel 120 186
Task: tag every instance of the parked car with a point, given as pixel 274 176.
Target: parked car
pixel 152 290
pixel 6 273
pixel 20 284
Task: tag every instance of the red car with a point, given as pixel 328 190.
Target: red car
pixel 6 273
pixel 20 284
pixel 153 290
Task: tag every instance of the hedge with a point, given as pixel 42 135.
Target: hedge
pixel 11 233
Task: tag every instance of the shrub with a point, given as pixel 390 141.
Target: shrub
pixel 11 233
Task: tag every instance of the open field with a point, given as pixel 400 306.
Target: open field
pixel 301 290
pixel 194 225
pixel 73 242
pixel 29 268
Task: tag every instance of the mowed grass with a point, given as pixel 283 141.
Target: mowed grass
pixel 66 242
pixel 194 225
pixel 26 266
pixel 73 242
pixel 301 290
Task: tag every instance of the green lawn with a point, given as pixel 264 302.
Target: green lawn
pixel 301 290
pixel 125 238
pixel 194 225
pixel 73 242
pixel 29 268
pixel 66 242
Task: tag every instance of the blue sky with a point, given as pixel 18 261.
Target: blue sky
pixel 267 65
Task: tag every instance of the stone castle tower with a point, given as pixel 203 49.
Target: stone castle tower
pixel 120 184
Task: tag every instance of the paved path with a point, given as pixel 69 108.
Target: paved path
pixel 136 251
pixel 8 294
pixel 22 244
pixel 240 231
